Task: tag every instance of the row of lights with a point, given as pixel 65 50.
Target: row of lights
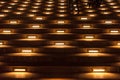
pixel 62 44
pixel 63 31
pixel 96 70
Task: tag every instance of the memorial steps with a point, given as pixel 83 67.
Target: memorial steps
pixel 45 40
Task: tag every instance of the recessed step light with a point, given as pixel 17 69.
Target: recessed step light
pixel 93 51
pixel 7 31
pixel 98 70
pixel 108 22
pixel 19 70
pixel 60 22
pixel 89 37
pixel 31 37
pixel 60 31
pixel 27 51
pixel 59 44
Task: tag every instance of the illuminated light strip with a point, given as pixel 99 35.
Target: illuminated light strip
pixel 98 70
pixel 26 51
pixel 31 15
pixel 108 22
pixel 19 70
pixel 1 43
pixel 60 44
pixel 31 37
pixel 39 18
pixel 114 31
pixel 84 18
pixel 13 22
pixel 6 10
pixel 7 31
pixel 60 31
pixel 18 12
pixel 61 22
pixel 86 26
pixel 61 15
pixel 2 15
pixel 93 51
pixel 89 37
pixel 36 26
pixel 118 44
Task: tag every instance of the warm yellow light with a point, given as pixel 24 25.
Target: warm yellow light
pixel 105 12
pixel 108 22
pixel 60 22
pixel 31 15
pixel 48 9
pixel 21 9
pixel 93 51
pixel 1 43
pixel 60 31
pixel 84 18
pixel 31 37
pixel 19 70
pixel 103 8
pixel 61 15
pixel 27 51
pixel 62 4
pixel 62 10
pixel 59 44
pixel 118 44
pixel 47 13
pixel 92 15
pixel 2 2
pixel 112 3
pixel 98 70
pixel 90 10
pixel 50 2
pixel 34 10
pixel 114 31
pixel 39 18
pixel 62 7
pixel 109 0
pixel 12 3
pixel 7 31
pixel 15 0
pixel 13 22
pixel 35 26
pixel 35 6
pixel 117 10
pixel 23 5
pixel 89 37
pixel 49 5
pixel 18 13
pixel 86 26
pixel 6 10
pixel 2 15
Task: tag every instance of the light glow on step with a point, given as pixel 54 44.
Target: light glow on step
pixel 98 70
pixel 114 31
pixel 60 31
pixel 93 51
pixel 7 31
pixel 59 44
pixel 27 50
pixel 13 22
pixel 108 22
pixel 89 37
pixel 60 22
pixel 32 37
pixel 84 18
pixel 19 70
pixel 1 43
